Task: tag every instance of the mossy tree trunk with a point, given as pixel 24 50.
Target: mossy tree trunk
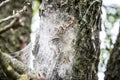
pixel 113 66
pixel 87 14
pixel 75 41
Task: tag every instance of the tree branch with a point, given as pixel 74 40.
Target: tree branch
pixel 17 15
pixel 13 24
pixel 16 70
pixel 5 64
pixel 4 2
pixel 15 18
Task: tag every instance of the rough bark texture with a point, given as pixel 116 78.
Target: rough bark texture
pixel 113 66
pixel 87 13
pixel 86 48
pixel 87 44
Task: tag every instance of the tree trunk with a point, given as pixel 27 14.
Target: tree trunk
pixel 113 66
pixel 67 44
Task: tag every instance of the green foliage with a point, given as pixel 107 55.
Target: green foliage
pixel 112 16
pixel 113 13
pixel 35 6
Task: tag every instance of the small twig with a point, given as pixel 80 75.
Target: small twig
pixel 4 2
pixel 17 15
pixel 11 25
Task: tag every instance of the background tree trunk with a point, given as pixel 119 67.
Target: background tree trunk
pixel 84 42
pixel 113 66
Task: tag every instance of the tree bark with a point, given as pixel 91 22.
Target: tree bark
pixel 113 66
pixel 67 45
pixel 15 69
pixel 85 19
